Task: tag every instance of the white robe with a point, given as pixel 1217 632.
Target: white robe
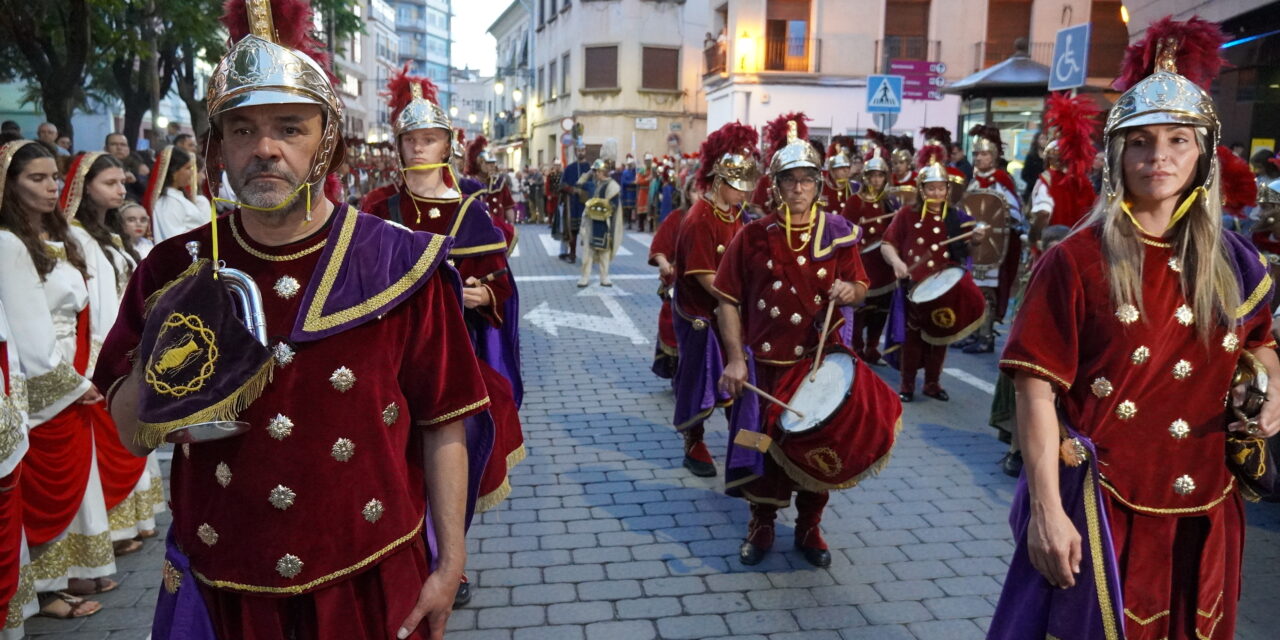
pixel 173 214
pixel 43 319
pixel 13 445
pixel 109 273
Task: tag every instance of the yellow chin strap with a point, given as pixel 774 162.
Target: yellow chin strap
pixel 1178 214
pixel 213 214
pixel 924 209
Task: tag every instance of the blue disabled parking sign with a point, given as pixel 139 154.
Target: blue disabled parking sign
pixel 884 94
pixel 1070 58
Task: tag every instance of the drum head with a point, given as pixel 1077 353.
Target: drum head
pixel 206 431
pixel 820 397
pixel 934 286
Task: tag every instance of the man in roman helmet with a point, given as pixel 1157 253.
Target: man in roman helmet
pixel 872 210
pixel 778 285
pixel 843 167
pixel 355 415
pixel 724 180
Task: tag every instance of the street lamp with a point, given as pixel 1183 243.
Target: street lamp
pixel 453 111
pixel 498 87
pixel 471 118
pixel 518 96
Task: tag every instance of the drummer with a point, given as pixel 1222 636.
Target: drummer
pixel 843 165
pixel 920 235
pixel 988 176
pixel 726 177
pixel 902 182
pixel 774 285
pixel 867 209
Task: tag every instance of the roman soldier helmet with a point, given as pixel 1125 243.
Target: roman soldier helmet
pixel 1269 193
pixel 875 158
pixel 986 138
pixel 415 104
pixel 937 145
pixel 1163 79
pixel 788 137
pixel 930 161
pixel 478 154
pixel 273 59
pixel 1072 122
pixel 840 152
pixel 729 155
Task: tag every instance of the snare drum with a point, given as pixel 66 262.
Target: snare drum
pixel 851 418
pixel 947 306
pixel 879 273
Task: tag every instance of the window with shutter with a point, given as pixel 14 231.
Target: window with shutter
pixel 660 68
pixel 551 80
pixel 564 75
pixel 600 67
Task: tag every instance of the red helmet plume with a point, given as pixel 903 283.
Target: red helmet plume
pixel 292 20
pixel 846 142
pixel 400 91
pixel 1239 188
pixel 940 135
pixel 474 149
pixel 733 137
pixel 1076 122
pixel 775 132
pixel 991 134
pixel 1198 56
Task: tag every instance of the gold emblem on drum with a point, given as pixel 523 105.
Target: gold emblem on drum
pixel 944 317
pixel 826 460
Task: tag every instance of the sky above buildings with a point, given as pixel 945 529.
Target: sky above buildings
pixel 472 45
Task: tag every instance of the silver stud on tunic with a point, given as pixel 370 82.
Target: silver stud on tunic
pixel 719 249
pixel 760 304
pixel 372 510
pixel 768 263
pixel 1126 410
pixel 775 312
pixel 777 284
pixel 1184 315
pixel 804 237
pixel 223 473
pixel 207 534
pixel 281 497
pixel 1184 485
pixel 283 353
pixel 817 299
pixel 342 379
pixel 280 427
pixel 343 449
pixel 289 565
pixel 433 212
pixel 801 260
pixel 1175 264
pixel 795 318
pixel 799 351
pixel 1181 370
pixel 287 287
pixel 1179 429
pixel 822 273
pixel 766 347
pixel 1127 314
pixel 1140 355
pixel 1101 387
pixel 1230 342
pixel 390 414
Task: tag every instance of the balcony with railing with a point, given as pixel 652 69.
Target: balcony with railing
pixel 986 54
pixel 788 53
pixel 905 48
pixel 715 58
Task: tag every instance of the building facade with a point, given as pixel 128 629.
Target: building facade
pixel 622 76
pixel 472 109
pixel 363 65
pixel 512 84
pixel 425 28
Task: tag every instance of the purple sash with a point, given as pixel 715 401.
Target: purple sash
pixel 1029 606
pixel 180 610
pixel 743 464
pixel 697 378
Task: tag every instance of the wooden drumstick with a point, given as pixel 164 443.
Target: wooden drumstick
pixel 760 392
pixel 822 340
pixel 981 226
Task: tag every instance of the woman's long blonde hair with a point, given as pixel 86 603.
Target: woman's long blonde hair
pixel 1208 277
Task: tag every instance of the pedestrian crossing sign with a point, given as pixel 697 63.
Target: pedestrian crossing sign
pixel 884 94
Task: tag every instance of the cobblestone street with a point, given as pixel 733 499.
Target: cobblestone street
pixel 606 537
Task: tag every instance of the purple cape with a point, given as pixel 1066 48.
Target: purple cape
pixel 698 370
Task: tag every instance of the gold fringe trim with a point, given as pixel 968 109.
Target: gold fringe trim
pixel 302 588
pixel 516 457
pixel 494 498
pixel 154 298
pixel 809 483
pixel 702 415
pixel 152 434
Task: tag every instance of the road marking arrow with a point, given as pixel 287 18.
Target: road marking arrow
pixel 617 323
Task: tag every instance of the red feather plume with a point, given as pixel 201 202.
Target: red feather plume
pixel 400 91
pixel 1076 121
pixel 847 142
pixel 292 20
pixel 474 148
pixel 731 138
pixel 937 134
pixel 880 139
pixel 1199 56
pixel 775 133
pixel 929 154
pixel 1239 188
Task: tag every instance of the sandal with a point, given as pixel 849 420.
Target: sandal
pixel 100 585
pixel 146 534
pixel 63 607
pixel 126 547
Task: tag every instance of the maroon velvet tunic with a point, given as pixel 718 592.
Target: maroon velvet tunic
pixel 705 234
pixel 1149 392
pixel 335 434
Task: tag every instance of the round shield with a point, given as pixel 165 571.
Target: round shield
pixel 989 207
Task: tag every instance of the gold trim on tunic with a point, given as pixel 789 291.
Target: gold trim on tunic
pixel 453 414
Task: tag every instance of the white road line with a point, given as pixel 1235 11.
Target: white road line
pixel 971 380
pixel 645 239
pixel 515 251
pixel 552 246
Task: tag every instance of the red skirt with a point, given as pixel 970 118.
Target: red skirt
pixel 370 605
pixel 10 538
pixel 118 468
pixel 508 440
pixel 55 473
pixel 1180 576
